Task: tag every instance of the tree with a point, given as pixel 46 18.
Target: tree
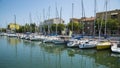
pixel 60 27
pixel 32 27
pixel 53 27
pixel 112 24
pixel 77 27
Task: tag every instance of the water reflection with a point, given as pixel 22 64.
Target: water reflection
pixel 51 48
pixel 41 55
pixel 13 41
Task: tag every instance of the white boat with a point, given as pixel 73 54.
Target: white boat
pixel 115 47
pixel 50 39
pixel 61 40
pixel 2 34
pixel 73 43
pixel 27 36
pixel 11 35
pixel 88 44
pixel 35 38
pixel 22 36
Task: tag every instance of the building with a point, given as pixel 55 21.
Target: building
pixel 88 23
pixel 113 14
pixel 75 20
pixel 53 21
pixel 49 22
pixel 13 26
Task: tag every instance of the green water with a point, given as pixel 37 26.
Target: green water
pixel 16 53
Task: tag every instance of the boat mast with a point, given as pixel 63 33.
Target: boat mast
pixel 44 21
pixel 61 15
pixel 72 15
pixel 83 16
pixel 30 22
pixel 48 19
pixel 56 17
pixel 106 2
pixel 94 16
pixel 104 15
pixel 15 22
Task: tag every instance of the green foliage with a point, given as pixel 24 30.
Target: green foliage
pixel 76 26
pixel 112 24
pixel 53 27
pixel 2 29
pixel 60 27
pixel 27 28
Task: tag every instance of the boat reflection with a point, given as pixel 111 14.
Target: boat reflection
pixel 51 48
pixel 100 58
pixel 59 56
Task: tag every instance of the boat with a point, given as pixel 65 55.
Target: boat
pixel 2 34
pixel 11 35
pixel 73 43
pixel 28 35
pixel 22 36
pixel 50 39
pixel 103 44
pixel 88 44
pixel 115 47
pixel 61 40
pixel 35 38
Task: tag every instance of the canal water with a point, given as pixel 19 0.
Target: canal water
pixel 17 53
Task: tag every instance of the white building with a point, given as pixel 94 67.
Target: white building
pixel 53 21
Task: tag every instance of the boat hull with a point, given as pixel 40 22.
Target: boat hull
pixel 100 47
pixel 115 49
pixel 86 46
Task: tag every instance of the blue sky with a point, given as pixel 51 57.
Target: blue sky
pixel 22 8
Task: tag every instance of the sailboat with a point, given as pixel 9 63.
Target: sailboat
pixel 103 44
pixel 89 43
pixel 13 33
pixel 29 34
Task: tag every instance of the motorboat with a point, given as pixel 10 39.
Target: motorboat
pixel 115 47
pixel 88 44
pixel 73 43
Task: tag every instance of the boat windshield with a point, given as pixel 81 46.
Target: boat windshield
pixel 118 45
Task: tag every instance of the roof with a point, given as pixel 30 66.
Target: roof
pixel 88 19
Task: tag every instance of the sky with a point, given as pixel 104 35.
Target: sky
pixel 23 8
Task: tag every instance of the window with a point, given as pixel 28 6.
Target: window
pixel 114 16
